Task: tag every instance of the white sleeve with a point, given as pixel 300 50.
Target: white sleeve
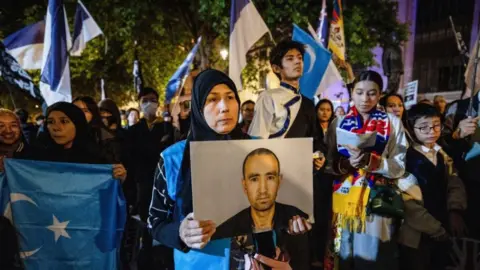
pixel 392 162
pixel 263 117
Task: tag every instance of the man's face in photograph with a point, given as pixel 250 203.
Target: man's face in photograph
pixel 261 181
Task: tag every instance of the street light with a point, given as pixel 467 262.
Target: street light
pixel 224 54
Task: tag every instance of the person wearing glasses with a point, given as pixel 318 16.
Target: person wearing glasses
pixel 434 214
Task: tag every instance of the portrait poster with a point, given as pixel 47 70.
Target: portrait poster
pixel 223 194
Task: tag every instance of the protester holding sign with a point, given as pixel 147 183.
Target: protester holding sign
pixel 214 114
pixel 363 234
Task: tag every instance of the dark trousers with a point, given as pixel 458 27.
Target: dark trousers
pixel 429 255
pixel 322 194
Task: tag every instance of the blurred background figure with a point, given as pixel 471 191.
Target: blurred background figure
pixel 133 116
pixel 39 120
pixel 440 103
pixel 123 117
pixel 29 130
pixel 247 110
pixel 339 111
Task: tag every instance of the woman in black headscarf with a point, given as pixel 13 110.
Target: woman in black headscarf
pixel 68 139
pixel 99 132
pixel 214 116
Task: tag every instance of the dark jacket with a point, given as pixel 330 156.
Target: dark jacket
pixel 145 146
pixel 296 246
pixel 242 222
pixel 29 131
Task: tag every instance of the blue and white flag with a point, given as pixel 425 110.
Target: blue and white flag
pixel 68 216
pixel 85 29
pixel 322 30
pixel 55 76
pixel 26 45
pixel 246 28
pixel 182 71
pixel 319 71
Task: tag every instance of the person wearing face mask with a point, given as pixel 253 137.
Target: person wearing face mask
pixel 214 114
pixel 145 143
pixel 363 235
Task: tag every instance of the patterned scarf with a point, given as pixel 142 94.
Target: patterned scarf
pixel 351 191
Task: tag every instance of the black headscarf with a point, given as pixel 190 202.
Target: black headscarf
pixel 110 106
pixel 83 150
pixel 203 84
pixel 199 129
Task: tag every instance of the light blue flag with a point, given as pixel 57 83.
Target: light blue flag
pixel 474 152
pixel 3 193
pixel 68 216
pixel 182 71
pixel 319 71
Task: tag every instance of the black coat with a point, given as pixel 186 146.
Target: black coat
pixel 296 246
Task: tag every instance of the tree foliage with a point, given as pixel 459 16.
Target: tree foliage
pixel 166 30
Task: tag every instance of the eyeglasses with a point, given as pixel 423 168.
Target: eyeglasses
pixel 427 129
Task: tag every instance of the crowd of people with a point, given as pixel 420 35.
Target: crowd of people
pixel 394 205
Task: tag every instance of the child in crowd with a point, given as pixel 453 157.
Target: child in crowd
pixel 434 195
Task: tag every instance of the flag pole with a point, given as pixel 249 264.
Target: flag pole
pixel 474 76
pixel 462 48
pixel 11 95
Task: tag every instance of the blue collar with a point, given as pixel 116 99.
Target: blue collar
pixel 288 86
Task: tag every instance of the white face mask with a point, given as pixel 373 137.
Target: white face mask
pixel 149 108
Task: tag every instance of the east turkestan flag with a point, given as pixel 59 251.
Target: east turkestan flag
pixel 246 28
pixel 85 29
pixel 26 45
pixel 319 71
pixel 55 75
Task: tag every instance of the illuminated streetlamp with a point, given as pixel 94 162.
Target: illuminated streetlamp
pixel 224 54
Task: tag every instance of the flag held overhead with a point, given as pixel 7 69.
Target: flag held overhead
pixel 182 71
pixel 322 31
pixel 55 75
pixel 85 29
pixel 246 28
pixel 336 41
pixel 319 71
pixel 13 74
pixel 26 45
